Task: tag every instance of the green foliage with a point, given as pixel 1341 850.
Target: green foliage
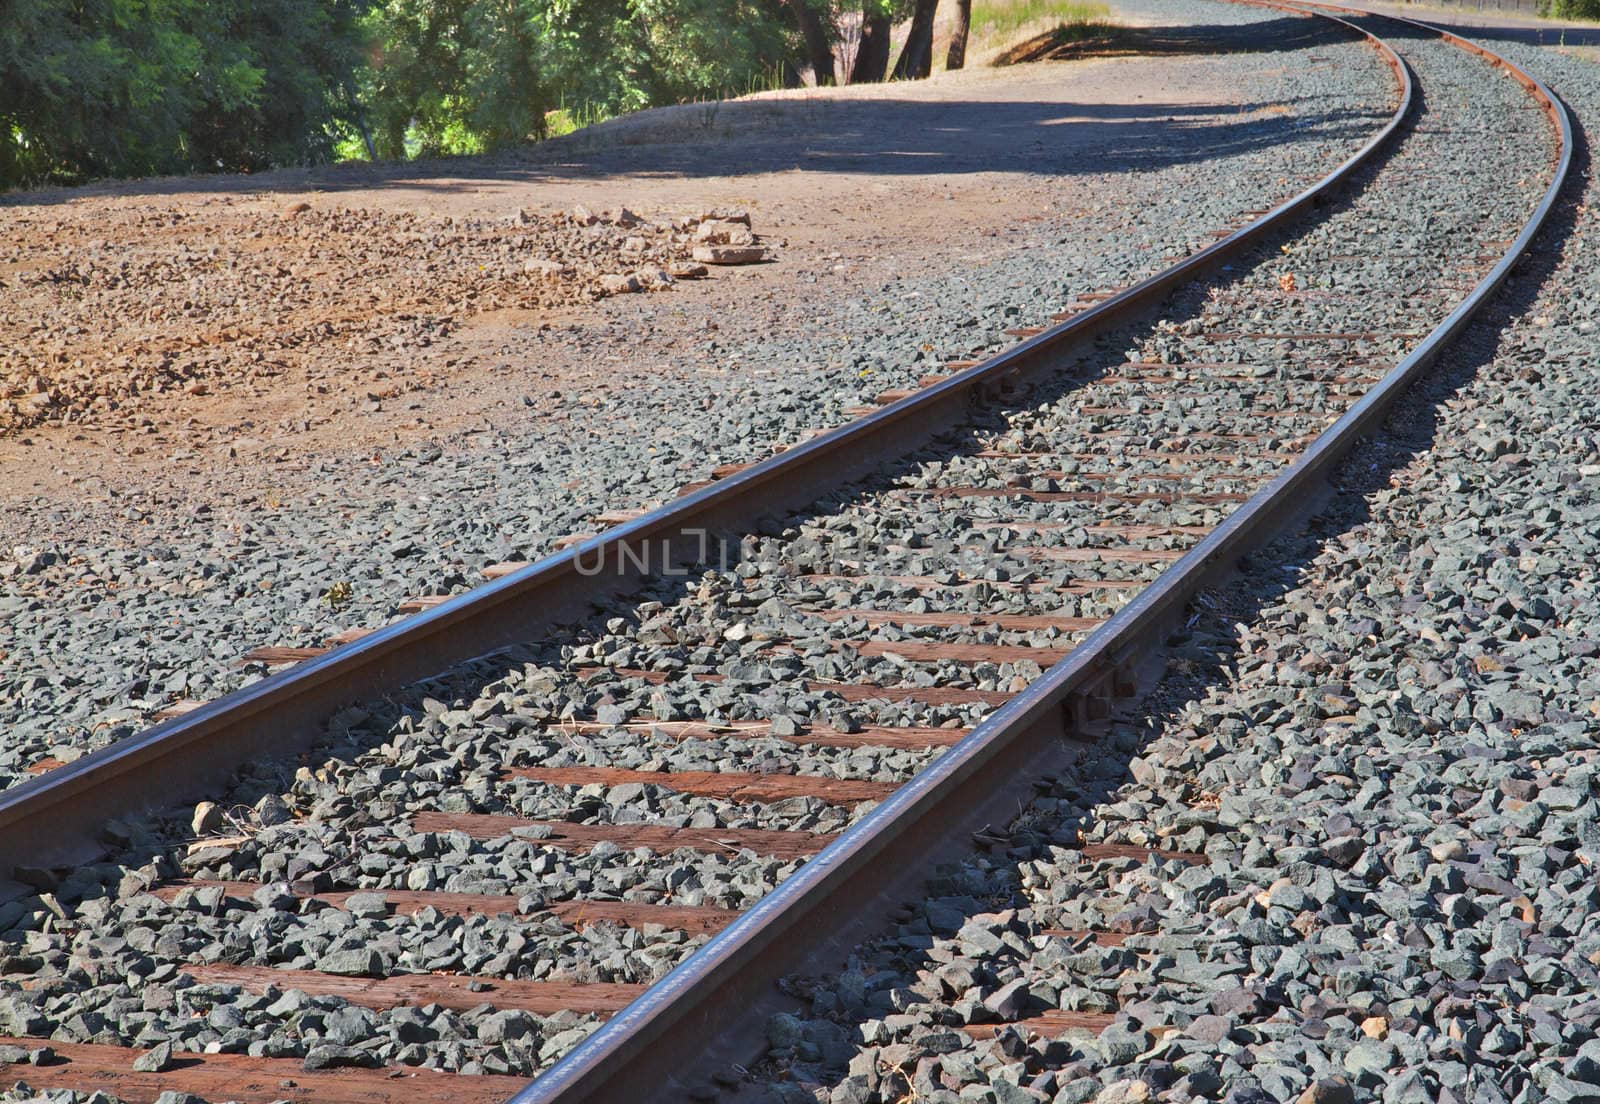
pixel 308 52
pixel 567 118
pixel 452 76
pixel 1571 9
pixel 698 48
pixel 128 87
pixel 135 87
pixel 416 74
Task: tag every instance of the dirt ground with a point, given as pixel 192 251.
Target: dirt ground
pixel 191 328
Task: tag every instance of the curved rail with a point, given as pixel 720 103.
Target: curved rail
pixel 706 990
pixel 615 1063
pixel 51 819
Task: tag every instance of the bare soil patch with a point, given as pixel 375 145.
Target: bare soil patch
pixel 148 326
pixel 220 298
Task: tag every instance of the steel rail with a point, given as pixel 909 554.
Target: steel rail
pixel 630 1057
pixel 704 993
pixel 51 820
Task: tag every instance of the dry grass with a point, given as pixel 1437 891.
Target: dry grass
pixel 998 25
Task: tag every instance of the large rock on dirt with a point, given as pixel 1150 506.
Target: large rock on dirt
pixel 729 254
pixel 724 232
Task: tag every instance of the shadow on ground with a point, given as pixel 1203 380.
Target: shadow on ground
pixel 1480 24
pixel 1211 639
pixel 1204 655
pixel 887 137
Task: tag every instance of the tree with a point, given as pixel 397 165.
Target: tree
pixel 296 59
pixel 416 73
pixel 467 75
pixel 818 42
pixel 872 55
pixel 916 57
pixel 133 87
pixel 697 49
pixel 956 56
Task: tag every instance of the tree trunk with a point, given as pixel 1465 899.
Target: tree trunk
pixel 957 57
pixel 916 60
pixel 872 56
pixel 819 51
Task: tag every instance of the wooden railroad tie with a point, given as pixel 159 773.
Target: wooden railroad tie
pixel 700 919
pixel 86 1067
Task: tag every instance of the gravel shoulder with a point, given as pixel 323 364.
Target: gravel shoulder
pixel 1530 29
pixel 1284 754
pixel 1381 745
pixel 147 561
pixel 320 312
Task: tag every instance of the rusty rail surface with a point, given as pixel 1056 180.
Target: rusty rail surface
pixel 51 819
pixel 702 1008
pixel 693 1010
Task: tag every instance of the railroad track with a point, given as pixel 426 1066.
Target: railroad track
pixel 742 722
